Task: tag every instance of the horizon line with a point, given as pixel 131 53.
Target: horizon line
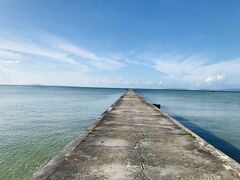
pixel 104 87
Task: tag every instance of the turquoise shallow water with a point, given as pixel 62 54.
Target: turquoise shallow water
pixel 213 115
pixel 37 122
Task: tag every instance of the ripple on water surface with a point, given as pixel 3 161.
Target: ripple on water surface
pixel 37 122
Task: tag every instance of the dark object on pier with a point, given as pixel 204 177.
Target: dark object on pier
pixel 157 105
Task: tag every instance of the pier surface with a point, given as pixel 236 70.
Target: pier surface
pixel 134 140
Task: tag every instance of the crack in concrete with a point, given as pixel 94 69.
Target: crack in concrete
pixel 140 150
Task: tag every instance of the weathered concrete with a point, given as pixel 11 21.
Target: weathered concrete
pixel 134 140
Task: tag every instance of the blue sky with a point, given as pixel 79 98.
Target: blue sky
pixel 148 44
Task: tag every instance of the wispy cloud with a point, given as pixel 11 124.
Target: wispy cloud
pixel 106 61
pixel 49 59
pixel 9 55
pixel 177 65
pixel 56 49
pixel 29 48
pixel 198 72
pixel 8 58
pixel 123 82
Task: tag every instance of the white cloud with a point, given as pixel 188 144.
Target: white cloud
pixel 27 61
pixel 29 48
pixel 98 61
pixel 215 78
pixel 2 69
pixel 8 55
pixel 125 82
pixel 194 71
pixel 177 65
pixel 56 49
pixel 7 60
pixel 30 61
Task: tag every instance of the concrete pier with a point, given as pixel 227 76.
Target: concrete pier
pixel 135 140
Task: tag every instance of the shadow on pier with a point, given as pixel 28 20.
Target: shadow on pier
pixel 217 142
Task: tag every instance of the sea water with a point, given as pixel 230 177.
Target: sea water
pixel 213 115
pixel 36 122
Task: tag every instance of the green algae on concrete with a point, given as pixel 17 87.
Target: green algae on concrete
pixel 134 140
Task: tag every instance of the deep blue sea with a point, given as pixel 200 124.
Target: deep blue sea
pixel 36 122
